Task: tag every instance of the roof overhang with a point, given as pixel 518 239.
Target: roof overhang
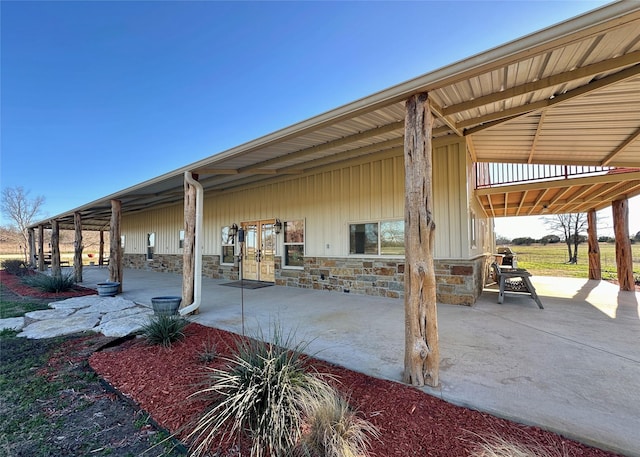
pixel 569 94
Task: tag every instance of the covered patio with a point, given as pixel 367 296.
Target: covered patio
pixel 571 368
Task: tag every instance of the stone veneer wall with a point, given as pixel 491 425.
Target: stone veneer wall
pixel 458 282
pixel 172 263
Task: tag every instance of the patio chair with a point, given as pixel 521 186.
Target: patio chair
pixel 514 280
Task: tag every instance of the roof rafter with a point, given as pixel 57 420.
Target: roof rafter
pixel 544 83
pixel 634 136
pixel 500 117
pixel 388 128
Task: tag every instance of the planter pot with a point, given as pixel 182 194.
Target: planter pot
pixel 165 306
pixel 108 289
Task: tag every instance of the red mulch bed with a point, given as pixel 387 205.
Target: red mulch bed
pixel 411 423
pixel 14 283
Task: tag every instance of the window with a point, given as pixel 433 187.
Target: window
pixel 377 238
pixel 181 239
pixel 228 246
pixel 294 243
pixel 151 245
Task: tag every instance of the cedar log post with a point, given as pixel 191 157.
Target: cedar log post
pixel 40 248
pixel 115 251
pixel 32 248
pixel 56 271
pixel 422 354
pixel 595 270
pixel 77 247
pixel 188 256
pixel 101 249
pixel 624 259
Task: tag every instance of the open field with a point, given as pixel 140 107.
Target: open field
pixel 551 260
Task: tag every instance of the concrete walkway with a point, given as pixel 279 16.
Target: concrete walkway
pixel 572 368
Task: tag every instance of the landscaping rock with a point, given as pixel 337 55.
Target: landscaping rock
pixel 12 323
pixel 51 328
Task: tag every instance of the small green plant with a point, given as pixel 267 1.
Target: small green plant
pixel 208 353
pixel 15 267
pixel 334 429
pixel 261 392
pixel 48 283
pixel 165 330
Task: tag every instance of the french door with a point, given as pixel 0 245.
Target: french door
pixel 258 262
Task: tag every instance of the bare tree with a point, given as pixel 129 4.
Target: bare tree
pixel 21 210
pixel 570 226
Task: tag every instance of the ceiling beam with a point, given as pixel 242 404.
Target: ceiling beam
pixel 215 171
pixel 499 117
pixel 522 200
pixel 437 110
pixel 634 136
pixel 579 73
pixel 388 128
pixel 537 201
pixel 536 137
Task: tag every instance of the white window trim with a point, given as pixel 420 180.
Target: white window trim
pixel 303 244
pixel 369 256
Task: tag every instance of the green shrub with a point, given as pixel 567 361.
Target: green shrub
pixel 14 266
pixel 262 392
pixel 48 283
pixel 164 330
pixel 334 429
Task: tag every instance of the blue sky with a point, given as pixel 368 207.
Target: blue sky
pixel 100 96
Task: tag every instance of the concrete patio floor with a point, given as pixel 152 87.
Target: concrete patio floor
pixel 572 368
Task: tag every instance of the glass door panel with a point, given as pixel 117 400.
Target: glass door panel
pixel 250 260
pixel 259 251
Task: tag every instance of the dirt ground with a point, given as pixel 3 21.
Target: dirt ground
pixel 53 404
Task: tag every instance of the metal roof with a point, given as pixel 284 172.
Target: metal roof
pixel 568 94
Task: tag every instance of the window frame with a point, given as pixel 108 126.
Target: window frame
pixel 151 246
pixel 379 247
pixel 286 243
pixel 227 244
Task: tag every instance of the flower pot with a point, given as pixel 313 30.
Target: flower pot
pixel 108 289
pixel 165 306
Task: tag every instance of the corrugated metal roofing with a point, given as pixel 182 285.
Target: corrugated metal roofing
pixel 569 94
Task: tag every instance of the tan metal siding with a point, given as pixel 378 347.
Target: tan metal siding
pixel 450 201
pixel 328 200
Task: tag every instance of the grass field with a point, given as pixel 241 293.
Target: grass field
pixel 551 260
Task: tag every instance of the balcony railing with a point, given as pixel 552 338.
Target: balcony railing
pixel 500 174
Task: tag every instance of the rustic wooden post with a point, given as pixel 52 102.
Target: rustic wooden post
pixel 624 258
pixel 595 270
pixel 188 256
pixel 115 251
pixel 40 248
pixel 422 354
pixel 77 247
pixel 56 271
pixel 32 248
pixel 101 249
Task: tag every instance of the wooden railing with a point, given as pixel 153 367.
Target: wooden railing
pixel 500 174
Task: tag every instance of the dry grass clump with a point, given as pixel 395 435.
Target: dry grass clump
pixel 269 394
pixel 495 445
pixel 333 429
